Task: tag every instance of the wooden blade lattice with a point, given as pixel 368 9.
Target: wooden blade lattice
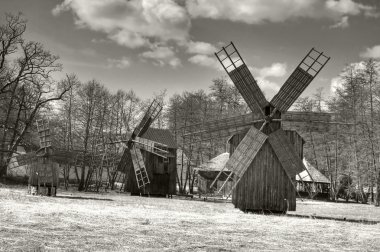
pixel 156 148
pixel 21 160
pixel 43 129
pixel 246 151
pixel 151 114
pixel 306 121
pixel 139 167
pixel 290 161
pixel 243 156
pixel 298 81
pixel 219 128
pixel 125 161
pixel 240 75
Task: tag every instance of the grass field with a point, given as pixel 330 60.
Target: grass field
pixel 118 222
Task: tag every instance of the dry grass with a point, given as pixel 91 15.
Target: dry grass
pixel 120 222
pixel 352 211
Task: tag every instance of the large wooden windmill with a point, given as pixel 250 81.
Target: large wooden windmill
pixel 265 154
pixel 136 143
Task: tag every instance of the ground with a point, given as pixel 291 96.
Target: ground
pixel 119 222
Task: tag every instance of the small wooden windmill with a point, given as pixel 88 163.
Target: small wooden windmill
pixel 132 154
pixel 265 155
pixel 44 173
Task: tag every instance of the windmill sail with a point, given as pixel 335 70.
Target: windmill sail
pixel 239 73
pixel 219 128
pixel 298 81
pixel 306 121
pixel 246 151
pixel 288 158
pixel 151 146
pixel 44 133
pixel 153 111
pixel 142 177
pixel 243 155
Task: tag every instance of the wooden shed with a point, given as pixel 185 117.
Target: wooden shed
pixel 312 182
pixel 208 171
pixel 162 172
pixel 43 175
pixel 265 185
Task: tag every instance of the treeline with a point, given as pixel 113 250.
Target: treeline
pixel 349 152
pixel 86 114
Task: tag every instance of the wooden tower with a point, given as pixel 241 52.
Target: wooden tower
pixel 265 153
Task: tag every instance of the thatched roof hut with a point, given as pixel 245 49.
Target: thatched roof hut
pixel 208 171
pixel 312 182
pixel 211 168
pixel 316 175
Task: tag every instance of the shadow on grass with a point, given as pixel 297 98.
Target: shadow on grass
pixel 81 198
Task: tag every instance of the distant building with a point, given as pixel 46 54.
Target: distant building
pixel 208 171
pixel 316 185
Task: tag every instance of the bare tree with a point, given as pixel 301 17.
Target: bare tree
pixel 26 85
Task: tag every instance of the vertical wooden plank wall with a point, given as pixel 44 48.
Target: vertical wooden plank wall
pixel 160 184
pixel 265 185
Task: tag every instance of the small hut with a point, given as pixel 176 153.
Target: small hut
pixel 43 175
pixel 265 185
pixel 312 182
pixel 162 172
pixel 208 171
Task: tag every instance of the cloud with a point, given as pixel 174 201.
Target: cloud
pixel 265 75
pixel 259 11
pixel 373 52
pixel 203 54
pixel 205 61
pixel 336 83
pixel 162 56
pixel 349 7
pixel 159 24
pixel 118 63
pixel 131 23
pixel 274 70
pixel 343 23
pixel 200 48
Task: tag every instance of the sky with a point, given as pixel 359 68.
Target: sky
pixel 152 45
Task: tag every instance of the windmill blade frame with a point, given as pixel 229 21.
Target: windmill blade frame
pixel 142 177
pixel 150 115
pixel 151 146
pixel 299 80
pixel 219 128
pixel 290 161
pixel 232 62
pixel 312 121
pixel 244 154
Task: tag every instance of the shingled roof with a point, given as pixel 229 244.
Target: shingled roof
pixel 163 136
pixel 316 175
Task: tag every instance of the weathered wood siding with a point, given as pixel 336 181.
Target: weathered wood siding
pixel 44 172
pixel 265 185
pixel 162 182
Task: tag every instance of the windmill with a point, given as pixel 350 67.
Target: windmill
pixel 43 163
pixel 44 175
pixel 132 154
pixel 264 145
